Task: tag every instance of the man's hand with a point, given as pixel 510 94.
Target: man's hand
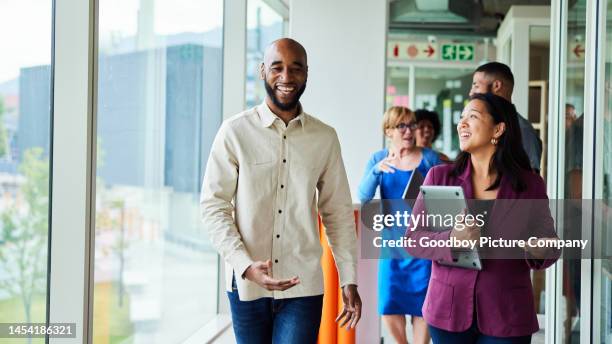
pixel 352 307
pixel 261 272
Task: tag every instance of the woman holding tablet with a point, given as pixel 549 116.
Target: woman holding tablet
pixel 495 304
pixel 402 280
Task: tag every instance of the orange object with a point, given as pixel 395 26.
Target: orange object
pixel 329 331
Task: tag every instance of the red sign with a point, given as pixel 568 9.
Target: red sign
pixel 398 50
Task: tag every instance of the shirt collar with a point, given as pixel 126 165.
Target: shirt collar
pixel 268 117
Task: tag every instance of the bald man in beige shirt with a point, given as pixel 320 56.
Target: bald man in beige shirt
pixel 272 169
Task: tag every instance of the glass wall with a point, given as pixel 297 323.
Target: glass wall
pixel 398 80
pixel 537 105
pixel 25 117
pixel 264 25
pixel 159 107
pixel 603 334
pixel 572 120
pixel 442 90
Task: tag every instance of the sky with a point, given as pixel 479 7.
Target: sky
pixel 25 35
pixel 25 25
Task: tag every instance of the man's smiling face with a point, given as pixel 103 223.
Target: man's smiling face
pixel 284 72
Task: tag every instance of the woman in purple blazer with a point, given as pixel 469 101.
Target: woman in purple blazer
pixel 495 304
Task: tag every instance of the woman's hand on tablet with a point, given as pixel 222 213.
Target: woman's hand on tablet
pixel 464 231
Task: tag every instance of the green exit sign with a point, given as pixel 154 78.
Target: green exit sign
pixel 458 52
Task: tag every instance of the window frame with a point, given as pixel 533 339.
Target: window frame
pixel 73 164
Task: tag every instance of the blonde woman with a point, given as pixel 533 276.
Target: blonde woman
pixel 402 280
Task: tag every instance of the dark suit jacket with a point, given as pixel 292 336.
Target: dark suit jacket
pixel 501 292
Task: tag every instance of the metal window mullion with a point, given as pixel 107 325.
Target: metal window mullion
pixel 234 56
pixel 73 167
pixel 593 64
pixel 233 95
pixel 558 29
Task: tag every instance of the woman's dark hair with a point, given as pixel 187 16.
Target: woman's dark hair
pixel 426 115
pixel 510 157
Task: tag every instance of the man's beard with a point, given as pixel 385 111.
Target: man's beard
pixel 284 106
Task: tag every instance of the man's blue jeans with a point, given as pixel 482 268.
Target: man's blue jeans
pixel 266 320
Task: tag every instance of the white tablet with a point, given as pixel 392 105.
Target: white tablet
pixel 450 200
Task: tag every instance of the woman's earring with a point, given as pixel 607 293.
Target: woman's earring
pixel 494 141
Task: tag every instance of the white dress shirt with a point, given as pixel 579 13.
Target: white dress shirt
pixel 264 185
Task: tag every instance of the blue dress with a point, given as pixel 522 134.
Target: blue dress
pixel 402 283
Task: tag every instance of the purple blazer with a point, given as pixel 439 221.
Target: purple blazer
pixel 501 292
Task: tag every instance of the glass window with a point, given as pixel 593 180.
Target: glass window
pixel 573 118
pixel 442 90
pixel 539 57
pixel 398 79
pixel 159 106
pixel 25 117
pixel 605 309
pixel 264 25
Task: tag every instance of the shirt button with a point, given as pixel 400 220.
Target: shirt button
pixel 276 260
pixel 282 186
pixel 279 211
pixel 277 236
pixel 285 137
pixel 284 160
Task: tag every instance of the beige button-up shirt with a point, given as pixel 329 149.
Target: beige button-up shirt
pixel 264 185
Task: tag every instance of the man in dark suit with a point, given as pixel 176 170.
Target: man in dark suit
pixel 497 78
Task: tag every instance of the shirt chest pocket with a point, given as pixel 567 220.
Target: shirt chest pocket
pixel 259 169
pixel 304 172
pixel 259 176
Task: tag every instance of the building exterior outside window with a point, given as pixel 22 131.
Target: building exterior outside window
pixel 25 127
pixel 159 107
